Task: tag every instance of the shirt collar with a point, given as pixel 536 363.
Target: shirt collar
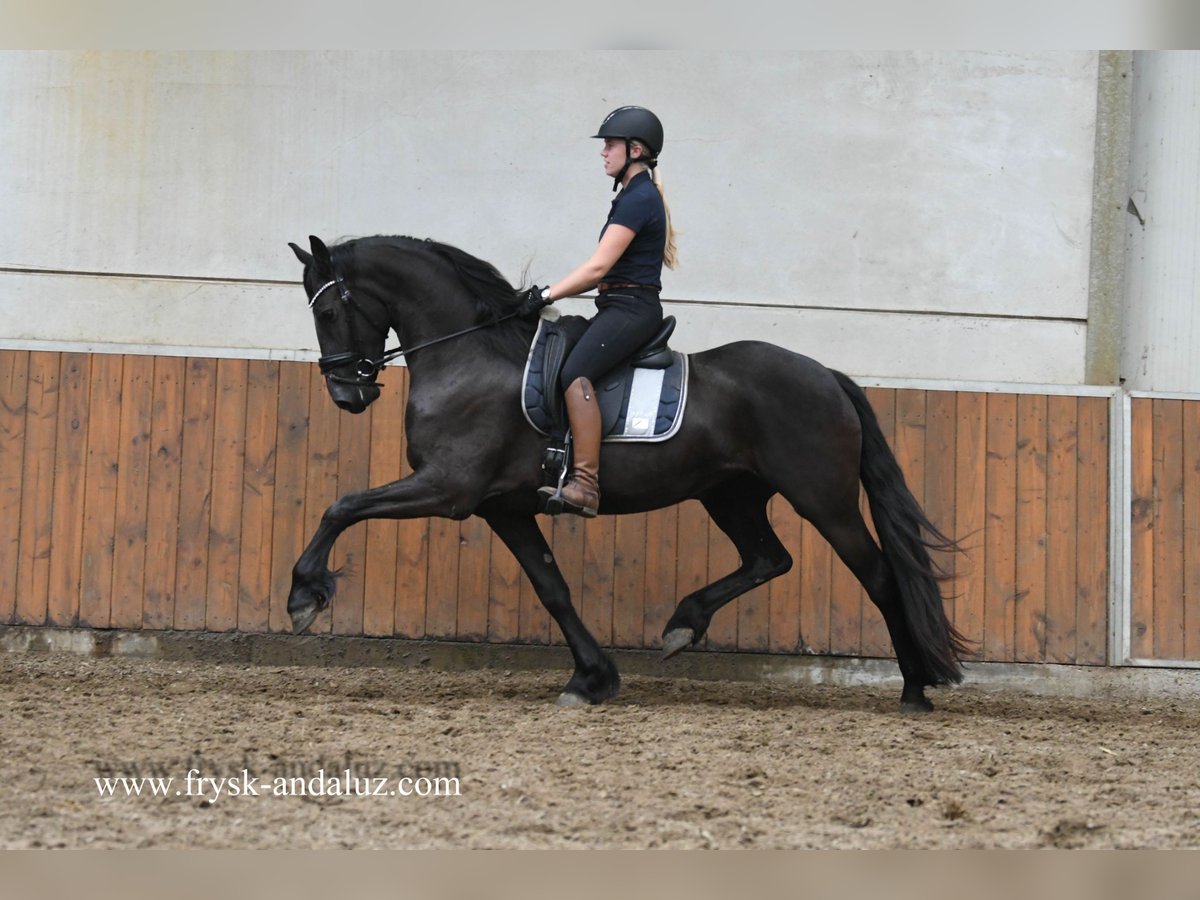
pixel 645 173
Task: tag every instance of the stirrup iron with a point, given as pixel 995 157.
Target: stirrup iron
pixel 554 501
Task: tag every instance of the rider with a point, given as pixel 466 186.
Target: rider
pixel 626 267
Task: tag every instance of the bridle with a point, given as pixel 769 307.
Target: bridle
pixel 366 369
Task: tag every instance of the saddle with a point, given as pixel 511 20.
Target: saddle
pixel 643 399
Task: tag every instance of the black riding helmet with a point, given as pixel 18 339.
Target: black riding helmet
pixel 633 123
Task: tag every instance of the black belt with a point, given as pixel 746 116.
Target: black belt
pixel 609 286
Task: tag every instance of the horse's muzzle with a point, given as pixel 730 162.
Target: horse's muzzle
pixel 352 397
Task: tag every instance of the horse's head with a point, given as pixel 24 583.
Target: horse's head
pixel 348 336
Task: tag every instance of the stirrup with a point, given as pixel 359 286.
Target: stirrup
pixel 556 464
pixel 560 459
pixel 557 504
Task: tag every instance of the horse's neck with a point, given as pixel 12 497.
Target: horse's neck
pixel 424 303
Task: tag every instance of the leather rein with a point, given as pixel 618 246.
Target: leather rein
pixel 366 369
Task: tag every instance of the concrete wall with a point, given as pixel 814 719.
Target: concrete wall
pixel 919 215
pixel 1162 290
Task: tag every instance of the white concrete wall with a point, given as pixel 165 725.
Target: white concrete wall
pixel 1161 351
pixel 919 215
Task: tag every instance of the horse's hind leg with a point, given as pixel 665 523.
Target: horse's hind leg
pixel 854 545
pixel 739 509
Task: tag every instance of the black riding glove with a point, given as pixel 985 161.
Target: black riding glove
pixel 535 299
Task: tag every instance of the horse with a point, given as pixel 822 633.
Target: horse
pixel 761 420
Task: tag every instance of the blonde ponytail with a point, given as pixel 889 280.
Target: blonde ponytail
pixel 670 251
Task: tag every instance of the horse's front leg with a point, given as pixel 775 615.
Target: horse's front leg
pixel 420 495
pixel 595 678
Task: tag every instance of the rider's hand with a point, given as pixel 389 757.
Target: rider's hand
pixel 535 298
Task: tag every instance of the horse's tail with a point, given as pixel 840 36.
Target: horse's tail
pixel 906 536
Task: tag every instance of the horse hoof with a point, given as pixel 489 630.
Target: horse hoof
pixel 916 707
pixel 675 640
pixel 304 617
pixel 567 700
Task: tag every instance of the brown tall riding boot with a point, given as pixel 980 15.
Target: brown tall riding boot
pixel 581 494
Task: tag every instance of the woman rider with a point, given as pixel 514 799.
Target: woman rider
pixel 626 268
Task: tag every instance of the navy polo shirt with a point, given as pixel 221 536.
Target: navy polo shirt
pixel 639 207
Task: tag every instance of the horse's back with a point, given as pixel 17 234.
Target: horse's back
pixel 782 416
pixel 760 367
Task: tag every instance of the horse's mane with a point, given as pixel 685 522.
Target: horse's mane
pixel 492 293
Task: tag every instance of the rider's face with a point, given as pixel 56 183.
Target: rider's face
pixel 613 153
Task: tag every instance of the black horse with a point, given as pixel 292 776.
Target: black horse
pixel 761 420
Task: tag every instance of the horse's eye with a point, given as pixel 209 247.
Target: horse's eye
pixel 327 314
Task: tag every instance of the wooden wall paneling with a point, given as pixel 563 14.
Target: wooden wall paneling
pixel 133 478
pixel 536 624
pixel 722 560
pixel 441 590
pixel 1032 487
pixel 163 479
pixel 474 572
pixel 504 595
pixel 595 600
pixel 1091 643
pixel 1142 506
pixel 815 599
pixel 691 565
pixel 754 619
pixel 441 602
pixel 850 607
pixel 940 501
pixel 195 493
pixel 288 534
pixel 1168 528
pixel 970 488
pixel 379 563
pixel 353 476
pixel 901 415
pixel 412 577
pixel 100 488
pixel 228 469
pixel 1191 530
pixel 785 633
pixel 258 496
pixel 908 419
pixel 160 492
pixel 629 581
pixel 70 465
pixel 661 562
pixel 37 489
pixel 321 483
pixel 412 553
pixel 1000 586
pixel 754 615
pixel 568 547
pixel 14 391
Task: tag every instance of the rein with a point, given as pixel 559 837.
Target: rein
pixel 365 368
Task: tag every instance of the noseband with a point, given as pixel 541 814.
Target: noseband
pixel 366 369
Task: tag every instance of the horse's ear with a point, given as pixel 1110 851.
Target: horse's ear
pixel 305 257
pixel 320 252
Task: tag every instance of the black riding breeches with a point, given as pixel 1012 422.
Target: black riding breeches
pixel 626 319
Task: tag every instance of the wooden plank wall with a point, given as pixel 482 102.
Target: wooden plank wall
pixel 160 492
pixel 1165 538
